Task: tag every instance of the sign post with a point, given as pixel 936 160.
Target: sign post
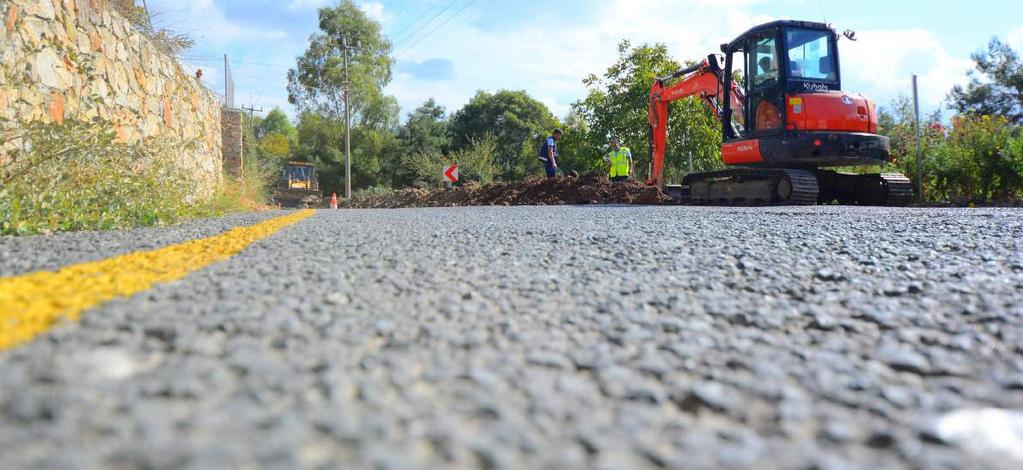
pixel 451 175
pixel 919 139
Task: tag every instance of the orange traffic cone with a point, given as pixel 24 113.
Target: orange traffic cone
pixel 333 201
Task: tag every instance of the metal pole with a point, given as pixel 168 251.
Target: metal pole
pixel 919 144
pixel 348 124
pixel 149 17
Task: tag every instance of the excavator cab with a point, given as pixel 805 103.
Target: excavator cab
pixel 794 109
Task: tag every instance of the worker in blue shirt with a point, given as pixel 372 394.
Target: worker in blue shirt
pixel 549 154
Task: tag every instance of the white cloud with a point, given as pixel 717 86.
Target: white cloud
pixel 374 10
pixel 551 67
pixel 881 65
pixel 550 64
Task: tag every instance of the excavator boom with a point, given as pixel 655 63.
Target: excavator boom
pixel 703 80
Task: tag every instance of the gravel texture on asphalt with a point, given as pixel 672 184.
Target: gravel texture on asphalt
pixel 20 255
pixel 556 337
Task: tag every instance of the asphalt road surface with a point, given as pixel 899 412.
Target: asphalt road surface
pixel 558 337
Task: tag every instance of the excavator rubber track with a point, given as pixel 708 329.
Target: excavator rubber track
pixel 789 187
pixel 885 189
pixel 750 187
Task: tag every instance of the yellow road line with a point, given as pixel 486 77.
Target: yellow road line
pixel 32 304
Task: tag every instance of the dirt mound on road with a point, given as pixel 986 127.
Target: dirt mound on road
pixel 589 189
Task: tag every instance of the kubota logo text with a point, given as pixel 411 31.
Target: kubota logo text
pixel 815 86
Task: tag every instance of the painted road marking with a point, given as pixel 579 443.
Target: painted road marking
pixel 33 303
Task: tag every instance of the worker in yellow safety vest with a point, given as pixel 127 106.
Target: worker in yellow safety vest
pixel 620 159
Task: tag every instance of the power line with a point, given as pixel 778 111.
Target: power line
pixel 427 36
pixel 424 25
pixel 423 11
pixel 440 25
pixel 422 14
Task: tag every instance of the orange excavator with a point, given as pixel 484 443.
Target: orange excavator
pixel 783 123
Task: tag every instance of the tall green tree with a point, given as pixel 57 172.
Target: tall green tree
pixel 425 133
pixel 276 122
pixel 316 87
pixel 996 86
pixel 516 120
pixel 617 105
pixel 426 130
pixel 316 84
pixel 321 141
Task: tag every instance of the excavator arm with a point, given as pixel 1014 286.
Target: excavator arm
pixel 703 80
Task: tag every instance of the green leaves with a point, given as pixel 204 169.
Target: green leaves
pixel 517 122
pixel 996 86
pixel 477 163
pixel 75 176
pixel 316 84
pixel 617 105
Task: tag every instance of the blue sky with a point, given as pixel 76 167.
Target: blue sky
pixel 449 49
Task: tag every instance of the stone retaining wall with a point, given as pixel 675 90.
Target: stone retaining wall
pixel 76 58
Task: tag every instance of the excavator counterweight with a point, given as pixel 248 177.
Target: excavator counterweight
pixel 782 124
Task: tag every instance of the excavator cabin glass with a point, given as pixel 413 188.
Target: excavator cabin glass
pixel 780 59
pixel 810 56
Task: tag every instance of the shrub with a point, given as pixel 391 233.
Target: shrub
pixel 476 163
pixel 979 161
pixel 75 176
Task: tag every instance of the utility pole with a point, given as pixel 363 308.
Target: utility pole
pixel 252 110
pixel 919 144
pixel 345 48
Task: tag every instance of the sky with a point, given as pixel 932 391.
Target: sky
pixel 450 49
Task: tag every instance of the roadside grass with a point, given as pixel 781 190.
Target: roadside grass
pixel 76 176
pixel 247 192
pixel 373 191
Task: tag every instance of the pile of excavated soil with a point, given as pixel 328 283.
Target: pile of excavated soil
pixel 589 189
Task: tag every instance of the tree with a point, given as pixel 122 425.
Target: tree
pixel 426 130
pixel 316 88
pixel 321 142
pixel 617 105
pixel 425 133
pixel 317 83
pixel 275 145
pixel 517 121
pixel 996 86
pixel 276 122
